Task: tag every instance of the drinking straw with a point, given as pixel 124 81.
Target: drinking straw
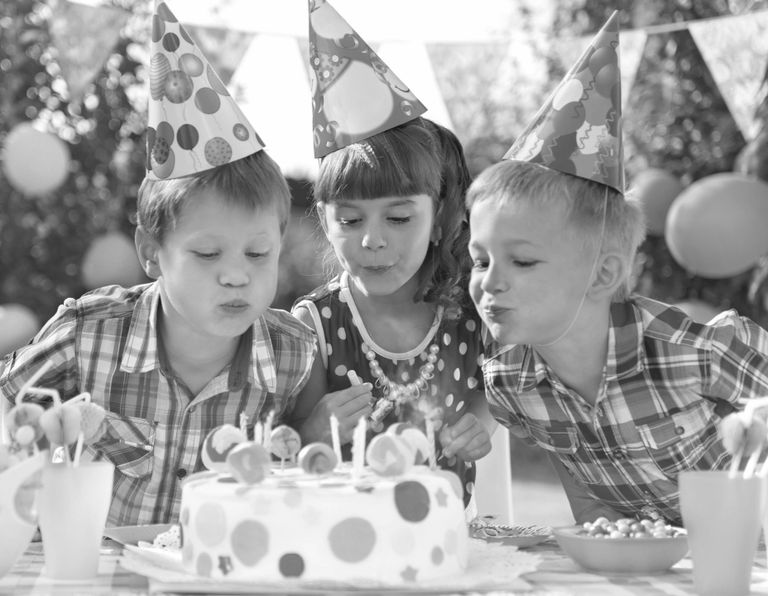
pixel 32 380
pixel 335 439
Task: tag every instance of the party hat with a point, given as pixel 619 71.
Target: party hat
pixel 578 129
pixel 354 94
pixel 194 123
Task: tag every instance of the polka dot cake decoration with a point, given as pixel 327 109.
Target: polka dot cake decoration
pixel 194 123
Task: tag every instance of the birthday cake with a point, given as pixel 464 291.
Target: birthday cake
pixel 326 523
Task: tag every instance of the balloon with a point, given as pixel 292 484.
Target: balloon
pixel 699 311
pixel 34 162
pixel 111 259
pixel 656 189
pixel 717 226
pixel 18 325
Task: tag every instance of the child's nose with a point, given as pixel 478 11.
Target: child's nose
pixel 374 238
pixel 234 273
pixel 494 282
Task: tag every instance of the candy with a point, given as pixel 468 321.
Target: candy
pixel 61 424
pixel 630 528
pixel 217 445
pixel 414 438
pixel 389 455
pixel 737 434
pixel 317 458
pixel 248 462
pixel 285 442
pixel 25 415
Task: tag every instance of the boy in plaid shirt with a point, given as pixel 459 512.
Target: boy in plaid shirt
pixel 623 392
pixel 199 347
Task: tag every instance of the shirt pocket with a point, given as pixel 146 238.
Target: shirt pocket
pixel 676 443
pixel 129 444
pixel 565 444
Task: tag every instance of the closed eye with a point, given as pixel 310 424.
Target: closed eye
pixel 205 255
pixel 399 220
pixel 257 255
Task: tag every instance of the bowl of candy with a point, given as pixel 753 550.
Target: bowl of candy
pixel 624 546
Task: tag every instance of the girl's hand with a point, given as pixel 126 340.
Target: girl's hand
pixel 347 404
pixel 468 439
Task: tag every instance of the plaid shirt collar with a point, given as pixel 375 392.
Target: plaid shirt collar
pixel 142 352
pixel 626 350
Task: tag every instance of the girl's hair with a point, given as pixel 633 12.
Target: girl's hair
pixel 586 204
pixel 418 157
pixel 254 182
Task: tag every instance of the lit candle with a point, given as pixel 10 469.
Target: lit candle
pixel 335 440
pixel 244 424
pixel 258 432
pixel 358 447
pixel 268 431
pixel 430 425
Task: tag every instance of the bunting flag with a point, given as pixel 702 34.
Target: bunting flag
pixel 224 48
pixel 277 63
pixel 410 60
pixel 736 52
pixel 83 36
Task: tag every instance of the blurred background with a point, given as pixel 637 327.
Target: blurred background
pixel 73 97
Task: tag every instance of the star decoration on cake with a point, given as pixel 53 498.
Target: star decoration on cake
pixel 409 574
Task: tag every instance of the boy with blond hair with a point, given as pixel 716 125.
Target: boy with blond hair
pixel 622 391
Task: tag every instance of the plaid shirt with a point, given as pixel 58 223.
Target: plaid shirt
pixel 106 343
pixel 667 383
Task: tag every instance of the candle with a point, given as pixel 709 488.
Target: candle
pixel 244 424
pixel 358 447
pixel 430 425
pixel 258 432
pixel 268 431
pixel 335 440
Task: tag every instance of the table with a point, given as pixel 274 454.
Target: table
pixel 557 575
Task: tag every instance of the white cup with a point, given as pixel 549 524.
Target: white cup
pixel 72 510
pixel 723 517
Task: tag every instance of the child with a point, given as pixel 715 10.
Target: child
pixel 196 348
pixel 397 314
pixel 623 391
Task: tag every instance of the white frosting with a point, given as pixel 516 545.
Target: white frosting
pixel 395 530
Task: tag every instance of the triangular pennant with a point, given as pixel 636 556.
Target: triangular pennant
pixel 355 94
pixel 736 52
pixel 411 60
pixel 578 130
pixel 278 58
pixel 194 123
pixel 224 48
pixel 632 45
pixel 685 128
pixel 83 36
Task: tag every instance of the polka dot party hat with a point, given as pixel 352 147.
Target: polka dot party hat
pixel 194 123
pixel 578 129
pixel 354 94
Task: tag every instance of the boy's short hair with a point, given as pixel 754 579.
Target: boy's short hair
pixel 254 181
pixel 585 203
pixel 401 161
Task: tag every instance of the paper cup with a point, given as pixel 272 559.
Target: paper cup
pixel 723 517
pixel 72 507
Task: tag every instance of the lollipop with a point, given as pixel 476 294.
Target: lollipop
pixel 389 455
pixel 285 442
pixel 248 462
pixel 414 438
pixel 23 423
pixel 217 445
pixel 61 424
pixel 317 459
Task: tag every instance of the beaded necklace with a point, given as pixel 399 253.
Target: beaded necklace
pixel 395 394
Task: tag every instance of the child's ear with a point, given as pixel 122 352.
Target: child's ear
pixel 611 274
pixel 146 248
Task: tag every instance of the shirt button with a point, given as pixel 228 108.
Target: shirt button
pixel 192 409
pixel 180 473
pixel 679 430
pixel 619 454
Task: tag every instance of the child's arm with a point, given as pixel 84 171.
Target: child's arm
pixel 584 506
pixel 314 405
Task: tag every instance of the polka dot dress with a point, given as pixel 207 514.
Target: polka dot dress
pixel 457 374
